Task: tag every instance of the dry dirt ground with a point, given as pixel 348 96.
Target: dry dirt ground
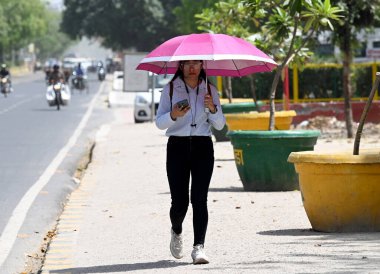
pixel 331 128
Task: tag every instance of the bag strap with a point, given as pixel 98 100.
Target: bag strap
pixel 171 95
pixel 171 92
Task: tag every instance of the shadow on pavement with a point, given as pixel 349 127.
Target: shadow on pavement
pixel 160 145
pixel 346 236
pixel 121 267
pixel 45 109
pixel 214 189
pixel 224 160
pixel 226 189
pixel 291 232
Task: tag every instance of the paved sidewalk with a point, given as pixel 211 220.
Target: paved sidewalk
pixel 117 220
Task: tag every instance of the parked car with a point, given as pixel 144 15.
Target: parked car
pixel 143 100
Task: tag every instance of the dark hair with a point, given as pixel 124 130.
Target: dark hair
pixel 179 73
pixel 55 67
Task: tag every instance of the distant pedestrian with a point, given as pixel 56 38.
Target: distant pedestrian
pixel 182 111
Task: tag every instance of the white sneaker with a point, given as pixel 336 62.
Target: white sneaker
pixel 176 245
pixel 199 255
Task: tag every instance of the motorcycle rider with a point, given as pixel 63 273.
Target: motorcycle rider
pixel 79 71
pixel 100 64
pixel 4 72
pixel 79 79
pixel 101 71
pixel 56 75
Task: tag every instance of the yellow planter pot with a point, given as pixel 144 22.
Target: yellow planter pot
pixel 235 100
pixel 340 192
pixel 259 120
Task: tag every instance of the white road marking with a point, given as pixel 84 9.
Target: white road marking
pixel 17 104
pixel 9 234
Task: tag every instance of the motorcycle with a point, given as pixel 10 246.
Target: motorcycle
pixel 58 94
pixel 79 82
pixel 101 74
pixel 5 86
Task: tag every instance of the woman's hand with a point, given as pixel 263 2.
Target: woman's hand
pixel 209 103
pixel 178 112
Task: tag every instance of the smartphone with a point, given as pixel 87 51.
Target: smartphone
pixel 182 104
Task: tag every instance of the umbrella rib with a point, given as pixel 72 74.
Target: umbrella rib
pixel 165 66
pixel 236 67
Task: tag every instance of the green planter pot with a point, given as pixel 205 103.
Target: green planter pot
pixel 241 107
pixel 220 135
pixel 261 157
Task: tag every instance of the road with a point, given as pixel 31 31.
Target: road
pixel 40 148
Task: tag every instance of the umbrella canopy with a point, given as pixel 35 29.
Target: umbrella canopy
pixel 223 55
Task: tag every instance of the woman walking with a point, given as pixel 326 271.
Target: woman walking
pixel 188 108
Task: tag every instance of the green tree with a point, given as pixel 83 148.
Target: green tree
pixel 21 21
pixel 170 24
pixel 293 35
pixel 122 24
pixel 53 42
pixel 358 15
pixel 285 29
pixel 185 20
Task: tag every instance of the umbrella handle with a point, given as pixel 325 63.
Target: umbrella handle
pixel 207 110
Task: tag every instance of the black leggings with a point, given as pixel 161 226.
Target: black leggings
pixel 190 155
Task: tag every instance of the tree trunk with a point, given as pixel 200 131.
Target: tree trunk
pixel 347 96
pixel 224 88
pixel 228 88
pixel 364 114
pixel 347 88
pixel 288 58
pixel 253 90
pixel 273 96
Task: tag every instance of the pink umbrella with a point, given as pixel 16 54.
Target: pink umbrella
pixel 223 55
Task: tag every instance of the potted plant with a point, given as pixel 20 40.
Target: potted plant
pixel 340 191
pixel 261 156
pixel 285 34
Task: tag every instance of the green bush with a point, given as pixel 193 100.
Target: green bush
pixel 263 81
pixel 320 83
pixel 313 83
pixel 362 81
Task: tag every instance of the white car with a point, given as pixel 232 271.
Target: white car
pixel 143 100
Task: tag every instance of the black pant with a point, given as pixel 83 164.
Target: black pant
pixel 190 155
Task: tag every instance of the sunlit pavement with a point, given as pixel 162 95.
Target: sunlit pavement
pixel 117 220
